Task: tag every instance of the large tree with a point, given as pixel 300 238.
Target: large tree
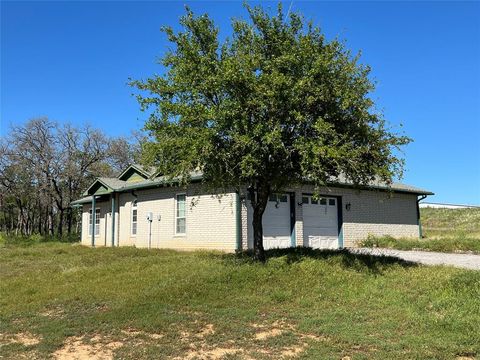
pixel 273 105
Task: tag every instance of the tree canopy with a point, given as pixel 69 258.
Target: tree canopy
pixel 273 105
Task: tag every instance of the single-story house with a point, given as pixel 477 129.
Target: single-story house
pixel 143 210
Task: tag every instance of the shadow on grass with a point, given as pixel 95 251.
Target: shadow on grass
pixel 356 261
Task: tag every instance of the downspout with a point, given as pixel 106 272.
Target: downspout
pixel 238 219
pixel 93 220
pixel 118 232
pixel 113 219
pixel 419 221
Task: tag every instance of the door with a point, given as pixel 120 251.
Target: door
pixel 276 222
pixel 320 222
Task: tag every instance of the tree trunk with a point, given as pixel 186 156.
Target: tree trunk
pixel 60 222
pixel 259 201
pixel 69 220
pixel 51 225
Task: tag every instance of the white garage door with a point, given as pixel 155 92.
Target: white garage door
pixel 320 222
pixel 276 222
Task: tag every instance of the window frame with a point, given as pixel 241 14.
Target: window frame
pixel 134 207
pixel 175 224
pixel 97 218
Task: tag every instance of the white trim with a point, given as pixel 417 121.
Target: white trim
pixel 133 206
pixel 175 214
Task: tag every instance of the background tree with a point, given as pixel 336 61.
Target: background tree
pixel 44 166
pixel 272 106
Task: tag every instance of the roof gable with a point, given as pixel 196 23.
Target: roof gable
pixel 98 188
pixel 134 173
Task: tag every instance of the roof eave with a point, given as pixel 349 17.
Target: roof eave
pixel 382 188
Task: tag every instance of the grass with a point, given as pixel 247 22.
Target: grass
pixel 35 239
pixel 444 230
pixel 450 223
pixel 151 304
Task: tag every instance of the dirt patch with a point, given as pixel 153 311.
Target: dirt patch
pixel 135 333
pixel 277 328
pixel 207 330
pixel 293 351
pixel 210 354
pixel 27 339
pixel 262 335
pixel 54 312
pixel 24 338
pixel 76 348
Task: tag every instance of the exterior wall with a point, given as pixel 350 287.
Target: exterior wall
pixel 378 213
pixel 210 220
pixel 371 212
pixel 105 235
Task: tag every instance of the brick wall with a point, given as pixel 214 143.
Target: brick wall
pixel 210 220
pixel 371 212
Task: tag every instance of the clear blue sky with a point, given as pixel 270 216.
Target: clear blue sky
pixel 70 61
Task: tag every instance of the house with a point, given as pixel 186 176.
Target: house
pixel 143 210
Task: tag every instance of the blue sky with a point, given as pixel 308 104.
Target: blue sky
pixel 71 61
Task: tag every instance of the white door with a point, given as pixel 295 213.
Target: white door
pixel 320 222
pixel 276 222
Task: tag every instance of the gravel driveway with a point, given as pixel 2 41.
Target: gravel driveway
pixel 466 261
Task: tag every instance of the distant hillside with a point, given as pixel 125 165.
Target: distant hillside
pixel 450 222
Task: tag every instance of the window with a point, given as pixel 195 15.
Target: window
pixel 282 197
pixel 180 213
pixel 311 199
pixel 134 217
pixel 97 222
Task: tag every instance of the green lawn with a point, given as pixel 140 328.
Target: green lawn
pixel 444 230
pixel 133 303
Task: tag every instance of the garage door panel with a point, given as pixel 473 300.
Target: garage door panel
pixel 276 223
pixel 320 223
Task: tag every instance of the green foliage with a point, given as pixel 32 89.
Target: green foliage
pixel 274 104
pixel 333 304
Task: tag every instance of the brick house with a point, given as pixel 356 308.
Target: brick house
pixel 139 209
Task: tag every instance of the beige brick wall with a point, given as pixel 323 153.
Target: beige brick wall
pixel 371 212
pixel 210 220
